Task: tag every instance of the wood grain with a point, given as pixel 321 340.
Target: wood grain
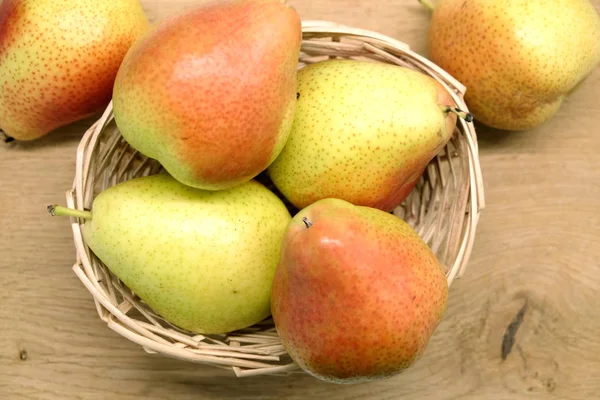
pixel 537 246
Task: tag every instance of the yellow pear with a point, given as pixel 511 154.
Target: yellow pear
pixel 518 58
pixel 203 260
pixel 363 132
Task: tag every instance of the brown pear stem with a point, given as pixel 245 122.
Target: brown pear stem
pixel 464 115
pixel 307 222
pixel 427 4
pixel 7 139
pixel 58 211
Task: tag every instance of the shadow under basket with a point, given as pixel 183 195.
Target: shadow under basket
pixel 444 209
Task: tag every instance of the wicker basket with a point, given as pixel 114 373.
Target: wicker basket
pixel 444 208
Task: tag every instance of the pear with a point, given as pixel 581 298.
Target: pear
pixel 203 260
pixel 211 93
pixel 59 59
pixel 519 59
pixel 357 293
pixel 363 132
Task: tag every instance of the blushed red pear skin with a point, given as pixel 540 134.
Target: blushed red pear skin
pixel 211 92
pixel 357 293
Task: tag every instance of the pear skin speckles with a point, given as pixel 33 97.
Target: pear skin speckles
pixel 357 295
pixel 58 60
pixel 517 58
pixel 203 260
pixel 361 132
pixel 218 108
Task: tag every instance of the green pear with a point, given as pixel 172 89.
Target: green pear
pixel 357 293
pixel 363 132
pixel 211 92
pixel 519 59
pixel 203 260
pixel 59 60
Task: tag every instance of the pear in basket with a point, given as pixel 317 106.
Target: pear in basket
pixel 59 59
pixel 211 92
pixel 357 294
pixel 363 132
pixel 203 260
pixel 518 59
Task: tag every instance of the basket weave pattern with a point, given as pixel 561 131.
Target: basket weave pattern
pixel 444 209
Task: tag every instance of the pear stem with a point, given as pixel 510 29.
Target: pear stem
pixel 466 116
pixel 58 211
pixel 7 139
pixel 307 222
pixel 427 4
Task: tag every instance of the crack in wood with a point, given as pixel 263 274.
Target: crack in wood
pixel 508 340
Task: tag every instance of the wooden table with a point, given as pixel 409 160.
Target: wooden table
pixel 537 250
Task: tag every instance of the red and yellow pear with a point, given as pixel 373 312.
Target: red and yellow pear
pixel 357 293
pixel 59 59
pixel 211 92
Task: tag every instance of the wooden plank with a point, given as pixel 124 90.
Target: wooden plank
pixel 537 246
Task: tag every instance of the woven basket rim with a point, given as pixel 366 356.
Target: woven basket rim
pixel 144 334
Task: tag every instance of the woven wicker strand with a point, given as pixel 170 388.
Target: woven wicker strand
pixel 444 209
